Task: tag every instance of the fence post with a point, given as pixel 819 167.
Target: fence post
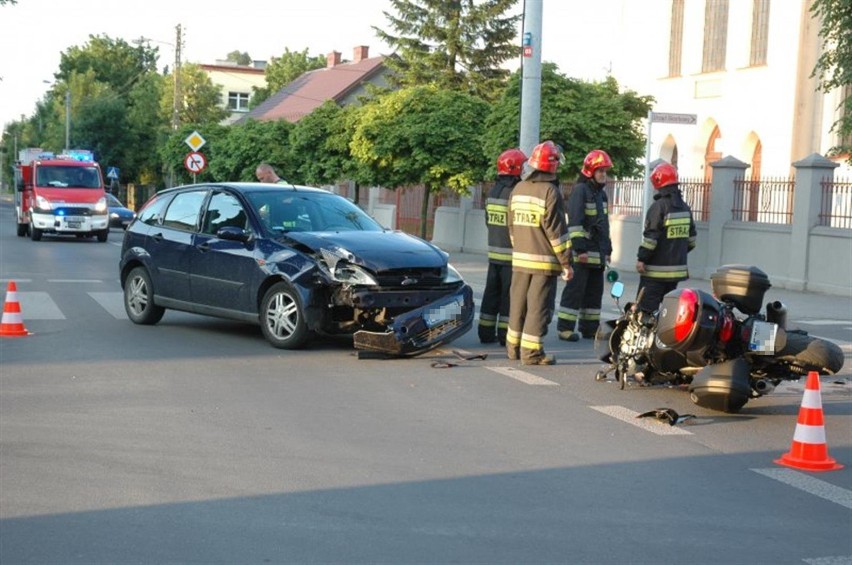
pixel 725 172
pixel 807 198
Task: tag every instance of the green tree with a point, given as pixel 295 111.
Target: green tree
pixel 239 57
pixel 245 146
pixel 112 61
pixel 201 100
pixel 456 44
pixel 283 70
pixel 834 66
pixel 579 116
pixel 320 147
pixel 423 135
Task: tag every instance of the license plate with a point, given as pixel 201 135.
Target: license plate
pixel 762 340
pixel 73 224
pixel 439 314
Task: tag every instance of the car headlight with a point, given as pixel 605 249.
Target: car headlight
pixel 42 203
pixel 101 206
pixel 352 274
pixel 452 276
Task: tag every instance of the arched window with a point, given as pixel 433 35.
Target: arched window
pixel 711 155
pixel 676 39
pixel 715 35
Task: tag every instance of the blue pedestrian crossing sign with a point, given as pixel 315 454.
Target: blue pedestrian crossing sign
pixel 112 173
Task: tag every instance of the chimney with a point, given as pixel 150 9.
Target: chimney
pixel 361 52
pixel 332 59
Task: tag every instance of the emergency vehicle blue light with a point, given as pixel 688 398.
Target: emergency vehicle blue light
pixel 60 212
pixel 80 155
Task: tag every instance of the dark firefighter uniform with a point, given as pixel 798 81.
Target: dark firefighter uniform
pixel 494 310
pixel 588 227
pixel 541 250
pixel 668 236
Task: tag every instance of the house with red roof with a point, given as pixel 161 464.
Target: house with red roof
pixel 340 80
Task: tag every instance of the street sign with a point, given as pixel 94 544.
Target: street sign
pixel 112 173
pixel 195 162
pixel 195 141
pixel 669 118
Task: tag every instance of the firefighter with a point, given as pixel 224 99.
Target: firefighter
pixel 494 311
pixel 668 236
pixel 588 226
pixel 541 250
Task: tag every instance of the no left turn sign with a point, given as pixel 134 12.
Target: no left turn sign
pixel 195 162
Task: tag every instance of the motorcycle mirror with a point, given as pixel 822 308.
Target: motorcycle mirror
pixel 617 289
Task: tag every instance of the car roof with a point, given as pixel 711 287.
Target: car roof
pixel 248 187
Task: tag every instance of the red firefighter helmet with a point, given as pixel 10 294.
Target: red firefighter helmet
pixel 546 156
pixel 663 174
pixel 510 162
pixel 594 161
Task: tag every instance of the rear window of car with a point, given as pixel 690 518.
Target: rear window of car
pixel 183 212
pixel 152 211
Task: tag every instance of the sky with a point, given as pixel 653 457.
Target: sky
pixel 34 33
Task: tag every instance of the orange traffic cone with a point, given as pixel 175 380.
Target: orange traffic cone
pixel 809 452
pixel 12 324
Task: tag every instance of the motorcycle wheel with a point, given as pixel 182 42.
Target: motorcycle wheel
pixel 811 354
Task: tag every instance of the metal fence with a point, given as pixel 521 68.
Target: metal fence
pixel 769 201
pixel 836 206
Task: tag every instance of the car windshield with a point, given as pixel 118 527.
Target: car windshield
pixel 284 211
pixel 68 177
pixel 114 202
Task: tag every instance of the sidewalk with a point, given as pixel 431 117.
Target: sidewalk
pixel 800 305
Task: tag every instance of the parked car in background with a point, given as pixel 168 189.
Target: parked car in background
pixel 119 215
pixel 299 261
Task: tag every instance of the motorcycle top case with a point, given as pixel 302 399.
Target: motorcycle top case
pixel 741 285
pixel 688 320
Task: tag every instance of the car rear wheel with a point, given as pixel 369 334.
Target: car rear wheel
pixel 139 298
pixel 282 317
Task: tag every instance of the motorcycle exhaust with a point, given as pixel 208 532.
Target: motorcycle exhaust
pixel 762 386
pixel 776 313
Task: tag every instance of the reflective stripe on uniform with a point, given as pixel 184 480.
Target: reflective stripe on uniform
pixel 513 337
pixel 590 314
pixel 532 342
pixel 665 271
pixel 570 314
pixel 649 243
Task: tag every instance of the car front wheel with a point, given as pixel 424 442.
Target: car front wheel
pixel 282 318
pixel 139 298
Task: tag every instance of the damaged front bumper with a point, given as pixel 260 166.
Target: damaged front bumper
pixel 423 329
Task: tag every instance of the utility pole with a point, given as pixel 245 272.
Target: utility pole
pixel 531 76
pixel 176 105
pixel 67 119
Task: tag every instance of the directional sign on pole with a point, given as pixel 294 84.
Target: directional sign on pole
pixel 669 118
pixel 195 162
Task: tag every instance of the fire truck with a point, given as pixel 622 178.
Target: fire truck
pixel 60 194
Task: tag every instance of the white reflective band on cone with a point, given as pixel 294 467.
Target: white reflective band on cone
pixel 809 434
pixel 811 399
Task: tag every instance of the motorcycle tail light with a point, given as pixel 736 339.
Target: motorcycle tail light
pixel 726 332
pixel 687 312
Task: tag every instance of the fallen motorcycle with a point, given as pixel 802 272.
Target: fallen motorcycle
pixel 720 346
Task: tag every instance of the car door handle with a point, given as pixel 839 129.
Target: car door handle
pixel 157 237
pixel 204 247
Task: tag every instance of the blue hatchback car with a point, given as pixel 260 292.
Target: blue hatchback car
pixel 119 215
pixel 299 261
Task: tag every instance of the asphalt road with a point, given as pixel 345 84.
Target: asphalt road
pixel 195 441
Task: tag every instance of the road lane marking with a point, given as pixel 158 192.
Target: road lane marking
pixel 17 281
pixel 112 302
pixel 74 281
pixel 523 376
pixel 648 424
pixel 823 322
pixel 39 306
pixel 810 485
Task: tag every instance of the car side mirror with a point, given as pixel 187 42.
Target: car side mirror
pixel 233 233
pixel 617 289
